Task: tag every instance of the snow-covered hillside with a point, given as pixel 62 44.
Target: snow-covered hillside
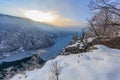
pixel 46 54
pixel 100 64
pixel 23 34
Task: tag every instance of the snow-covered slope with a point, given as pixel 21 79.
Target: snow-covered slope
pixel 23 34
pixel 21 37
pixel 100 64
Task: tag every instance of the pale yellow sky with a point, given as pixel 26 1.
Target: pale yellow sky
pixel 68 12
pixel 51 18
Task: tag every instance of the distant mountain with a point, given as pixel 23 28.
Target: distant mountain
pixel 23 34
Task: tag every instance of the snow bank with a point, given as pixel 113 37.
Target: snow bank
pixel 100 64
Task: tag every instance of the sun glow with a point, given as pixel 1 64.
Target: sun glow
pixel 39 16
pixel 51 18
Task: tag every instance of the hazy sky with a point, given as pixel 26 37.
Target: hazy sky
pixel 74 10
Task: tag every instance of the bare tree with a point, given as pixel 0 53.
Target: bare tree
pixel 105 17
pixel 55 71
pixel 112 6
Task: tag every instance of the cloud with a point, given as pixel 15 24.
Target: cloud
pixel 52 18
pixel 64 22
pixel 69 12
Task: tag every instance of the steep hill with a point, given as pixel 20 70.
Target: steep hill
pixel 23 34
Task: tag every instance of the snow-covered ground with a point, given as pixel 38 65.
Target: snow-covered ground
pixel 100 64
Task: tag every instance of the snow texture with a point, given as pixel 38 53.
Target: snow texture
pixel 100 64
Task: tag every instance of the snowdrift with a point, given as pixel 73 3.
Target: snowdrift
pixel 100 64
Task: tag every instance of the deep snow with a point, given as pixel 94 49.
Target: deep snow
pixel 100 64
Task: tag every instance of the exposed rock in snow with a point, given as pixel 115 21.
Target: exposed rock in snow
pixel 76 45
pixel 109 41
pixel 100 64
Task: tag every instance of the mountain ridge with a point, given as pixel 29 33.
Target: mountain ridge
pixel 18 33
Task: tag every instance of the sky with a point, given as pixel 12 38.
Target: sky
pixel 66 12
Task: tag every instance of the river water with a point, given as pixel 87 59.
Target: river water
pixel 46 54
